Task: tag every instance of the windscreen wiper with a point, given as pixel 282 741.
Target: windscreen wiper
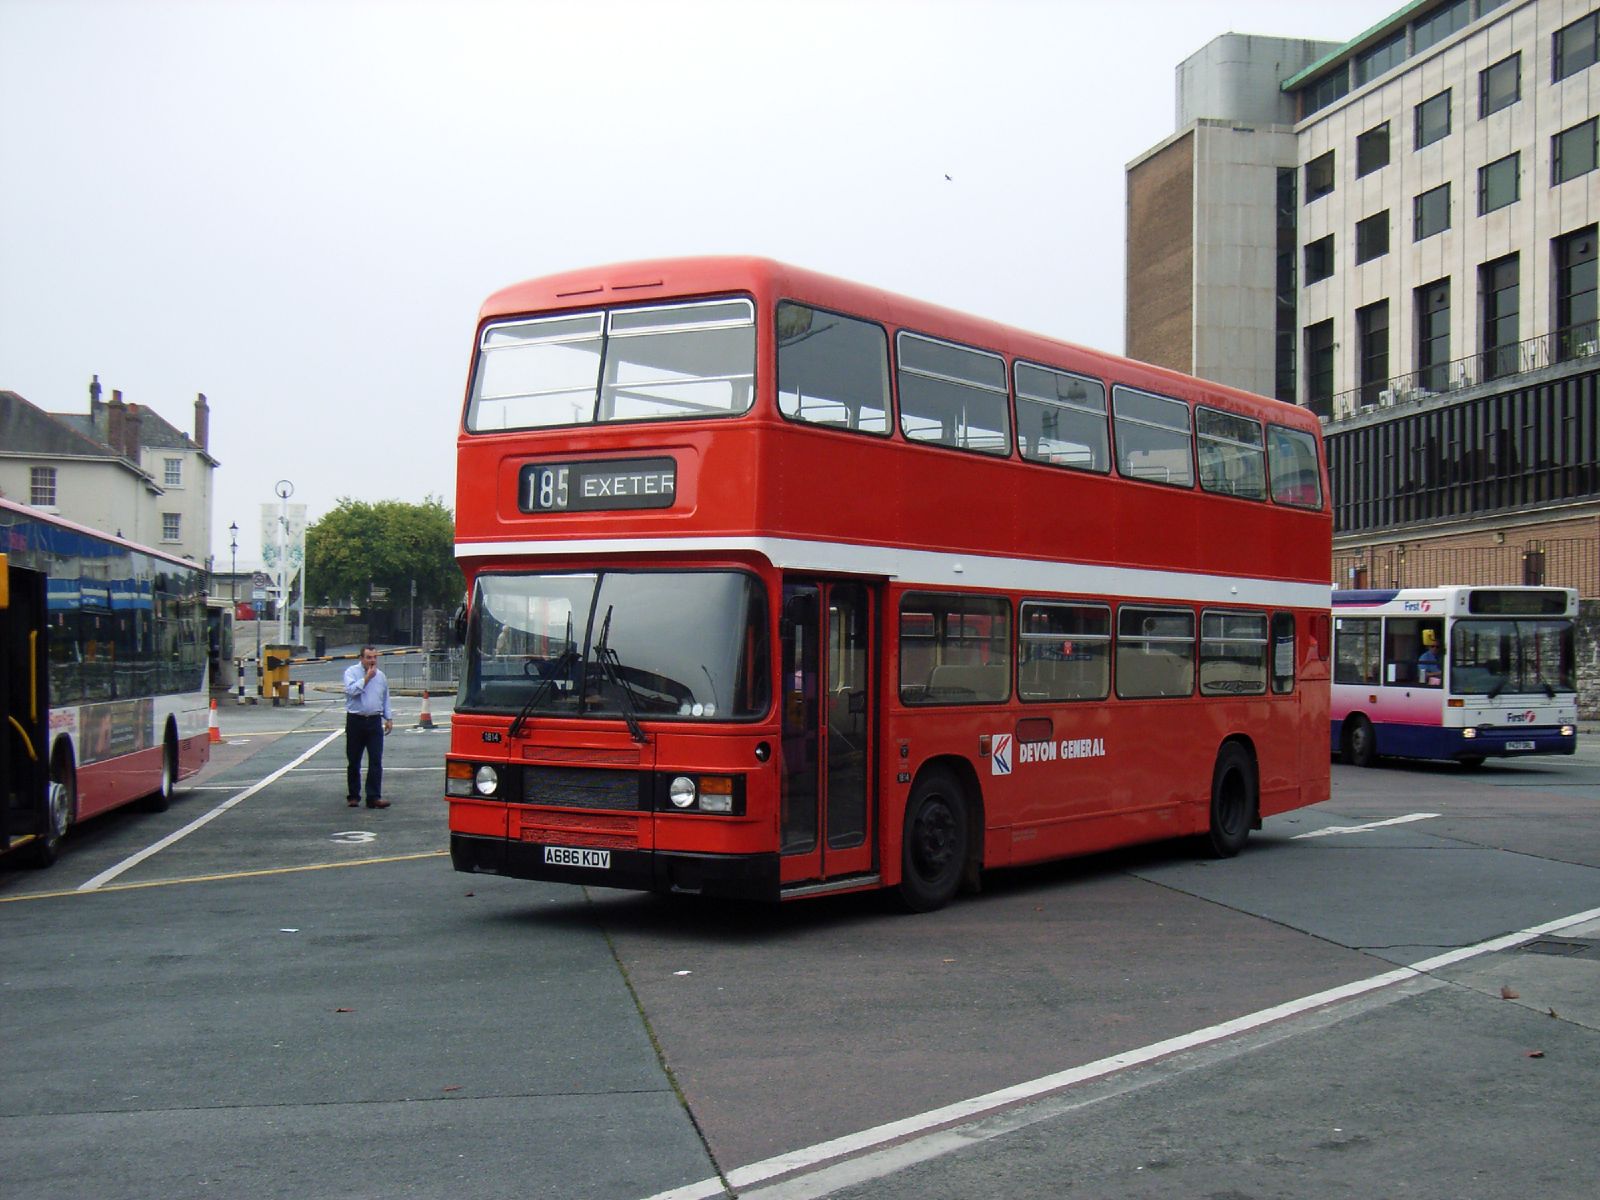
pixel 611 663
pixel 558 666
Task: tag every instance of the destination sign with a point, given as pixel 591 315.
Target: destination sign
pixel 592 486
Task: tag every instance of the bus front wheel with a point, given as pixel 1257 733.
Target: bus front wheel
pixel 1233 801
pixel 61 804
pixel 933 851
pixel 1360 743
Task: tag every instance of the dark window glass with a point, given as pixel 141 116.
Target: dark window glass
pixel 954 648
pixel 1433 119
pixel 1500 183
pixel 1433 335
pixel 1233 653
pixel 1292 462
pixel 1357 650
pixel 1575 46
pixel 1152 435
pixel 1572 152
pixel 1319 176
pixel 1233 459
pixel 832 370
pixel 1575 293
pixel 1439 24
pixel 1061 418
pixel 1319 259
pixel 1319 366
pixel 1372 327
pixel 1430 212
pixel 1498 302
pixel 1500 85
pixel 953 396
pixel 1283 653
pixel 1064 652
pixel 1372 63
pixel 1372 237
pixel 1155 652
pixel 1326 90
pixel 1372 150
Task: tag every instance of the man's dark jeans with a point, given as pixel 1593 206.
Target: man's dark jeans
pixel 363 734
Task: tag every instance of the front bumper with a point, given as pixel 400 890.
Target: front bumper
pixel 732 876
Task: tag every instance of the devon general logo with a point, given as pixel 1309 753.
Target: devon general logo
pixel 1000 754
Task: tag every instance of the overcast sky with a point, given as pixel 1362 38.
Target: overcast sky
pixel 297 207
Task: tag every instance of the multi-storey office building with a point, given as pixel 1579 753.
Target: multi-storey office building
pixel 1430 255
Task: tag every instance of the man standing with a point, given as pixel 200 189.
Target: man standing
pixel 367 717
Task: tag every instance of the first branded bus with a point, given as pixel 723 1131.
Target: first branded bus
pixel 782 586
pixel 1454 673
pixel 104 696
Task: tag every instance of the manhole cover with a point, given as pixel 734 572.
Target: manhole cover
pixel 1557 946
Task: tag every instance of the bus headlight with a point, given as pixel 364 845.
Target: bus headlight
pixel 1568 731
pixel 487 780
pixel 1469 732
pixel 681 792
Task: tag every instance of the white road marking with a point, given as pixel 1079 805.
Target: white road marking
pixel 811 1158
pixel 178 835
pixel 1333 829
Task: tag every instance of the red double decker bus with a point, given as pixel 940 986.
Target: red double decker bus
pixel 781 585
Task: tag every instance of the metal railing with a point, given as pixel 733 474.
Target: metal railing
pixel 1572 344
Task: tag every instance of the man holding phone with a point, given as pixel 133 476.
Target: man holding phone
pixel 367 718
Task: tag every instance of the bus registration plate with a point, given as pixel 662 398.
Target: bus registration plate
pixel 572 856
pixel 1519 745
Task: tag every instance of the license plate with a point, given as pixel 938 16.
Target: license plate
pixel 572 856
pixel 1519 745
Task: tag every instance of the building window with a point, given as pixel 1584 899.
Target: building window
pixel 1433 335
pixel 42 487
pixel 1319 259
pixel 1372 328
pixel 1286 322
pixel 1500 183
pixel 1575 294
pixel 1433 119
pixel 1372 237
pixel 1575 47
pixel 1319 176
pixel 1572 151
pixel 1372 150
pixel 171 527
pixel 172 473
pixel 1440 24
pixel 1319 367
pixel 1500 85
pixel 1498 302
pixel 1325 91
pixel 1430 212
pixel 1386 54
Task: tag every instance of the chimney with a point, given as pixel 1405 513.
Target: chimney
pixel 202 421
pixel 116 422
pixel 97 409
pixel 131 433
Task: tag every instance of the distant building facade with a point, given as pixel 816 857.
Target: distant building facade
pixel 1400 234
pixel 122 469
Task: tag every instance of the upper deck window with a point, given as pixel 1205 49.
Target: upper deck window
pixel 1292 464
pixel 1061 418
pixel 832 370
pixel 953 396
pixel 675 361
pixel 1152 437
pixel 1232 460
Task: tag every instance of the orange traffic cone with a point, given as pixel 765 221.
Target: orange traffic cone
pixel 425 719
pixel 214 733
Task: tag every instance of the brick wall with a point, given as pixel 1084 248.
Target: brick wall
pixel 1160 283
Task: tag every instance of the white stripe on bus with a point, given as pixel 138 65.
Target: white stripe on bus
pixel 943 568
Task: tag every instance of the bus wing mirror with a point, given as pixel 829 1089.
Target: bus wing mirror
pixel 459 625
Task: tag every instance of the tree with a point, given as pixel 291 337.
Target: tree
pixel 384 544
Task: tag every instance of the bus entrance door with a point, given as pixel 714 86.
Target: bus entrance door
pixel 828 654
pixel 24 772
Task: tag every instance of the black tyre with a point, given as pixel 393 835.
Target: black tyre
pixel 61 809
pixel 1360 743
pixel 161 798
pixel 1234 796
pixel 933 851
pixel 1471 763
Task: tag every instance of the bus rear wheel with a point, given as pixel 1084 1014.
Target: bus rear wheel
pixel 161 798
pixel 1233 801
pixel 933 853
pixel 1360 743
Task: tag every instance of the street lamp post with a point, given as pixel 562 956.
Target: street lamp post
pixel 233 574
pixel 285 489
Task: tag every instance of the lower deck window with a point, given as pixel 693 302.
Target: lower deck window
pixel 1155 652
pixel 1064 652
pixel 954 648
pixel 1233 654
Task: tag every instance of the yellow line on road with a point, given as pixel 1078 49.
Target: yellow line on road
pixel 129 887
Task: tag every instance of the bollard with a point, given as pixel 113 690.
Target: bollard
pixel 300 685
pixel 238 670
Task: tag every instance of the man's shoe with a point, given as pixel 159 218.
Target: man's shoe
pixel 377 804
pixel 353 801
